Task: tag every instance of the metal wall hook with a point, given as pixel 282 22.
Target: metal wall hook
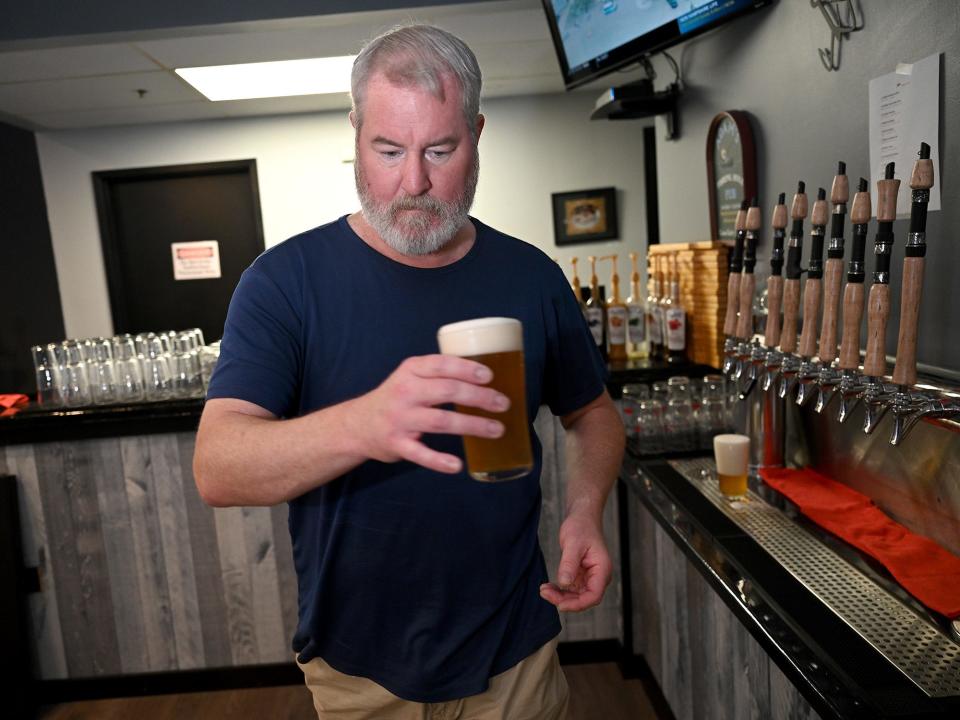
pixel 839 29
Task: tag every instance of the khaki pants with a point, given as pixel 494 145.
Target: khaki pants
pixel 533 689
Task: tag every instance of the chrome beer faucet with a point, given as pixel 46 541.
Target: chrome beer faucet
pixel 790 363
pixel 850 384
pixel 877 394
pixel 770 358
pixel 828 376
pixel 809 369
pixel 732 363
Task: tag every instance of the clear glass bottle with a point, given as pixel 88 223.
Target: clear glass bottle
pixel 654 322
pixel 616 316
pixel 637 345
pixel 675 321
pixel 596 315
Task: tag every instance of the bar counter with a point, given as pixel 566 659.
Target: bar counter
pixel 771 648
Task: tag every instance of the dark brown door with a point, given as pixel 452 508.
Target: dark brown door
pixel 144 212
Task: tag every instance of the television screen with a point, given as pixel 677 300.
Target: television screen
pixel 594 37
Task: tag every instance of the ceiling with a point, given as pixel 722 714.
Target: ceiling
pixel 127 77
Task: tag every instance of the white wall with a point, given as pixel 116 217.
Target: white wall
pixel 530 147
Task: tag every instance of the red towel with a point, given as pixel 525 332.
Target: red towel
pixel 13 403
pixel 923 568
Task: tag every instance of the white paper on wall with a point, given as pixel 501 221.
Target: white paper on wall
pixel 196 260
pixel 905 111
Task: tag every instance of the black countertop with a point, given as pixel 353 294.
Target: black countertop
pixel 838 672
pixel 37 424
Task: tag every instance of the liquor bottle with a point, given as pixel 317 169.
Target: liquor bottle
pixel 676 321
pixel 575 286
pixel 596 315
pixel 666 303
pixel 637 345
pixel 616 316
pixel 663 302
pixel 654 324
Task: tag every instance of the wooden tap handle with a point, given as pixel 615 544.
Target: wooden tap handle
pixel 774 300
pixel 748 283
pixel 733 301
pixel 832 277
pixel 820 214
pixel 811 317
pixel 878 311
pixel 791 306
pixel 840 190
pixel 852 317
pixel 779 217
pixel 922 176
pixel 887 201
pixel 905 370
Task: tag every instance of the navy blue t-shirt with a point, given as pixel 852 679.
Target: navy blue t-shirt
pixel 425 583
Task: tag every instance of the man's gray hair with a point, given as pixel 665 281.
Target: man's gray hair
pixel 419 55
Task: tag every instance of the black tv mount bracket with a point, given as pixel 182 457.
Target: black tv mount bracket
pixel 639 100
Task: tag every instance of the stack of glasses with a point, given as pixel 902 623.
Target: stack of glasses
pixel 679 415
pixel 123 369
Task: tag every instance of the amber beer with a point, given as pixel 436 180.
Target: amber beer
pixel 498 344
pixel 732 454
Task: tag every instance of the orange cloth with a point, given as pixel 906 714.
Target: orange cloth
pixel 13 403
pixel 923 568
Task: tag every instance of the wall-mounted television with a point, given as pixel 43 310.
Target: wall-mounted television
pixel 595 37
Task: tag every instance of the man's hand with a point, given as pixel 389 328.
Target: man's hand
pixel 585 567
pixel 390 420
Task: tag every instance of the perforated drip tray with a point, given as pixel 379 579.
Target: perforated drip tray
pixel 920 650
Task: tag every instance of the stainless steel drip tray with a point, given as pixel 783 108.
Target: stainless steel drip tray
pixel 926 655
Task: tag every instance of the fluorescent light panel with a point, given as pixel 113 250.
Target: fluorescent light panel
pixel 313 76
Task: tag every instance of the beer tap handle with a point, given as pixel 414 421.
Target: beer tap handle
pixel 852 316
pixel 774 301
pixel 733 279
pixel 812 288
pixel 853 293
pixel 878 303
pixel 791 285
pixel 748 282
pixel 878 312
pixel 833 272
pixel 905 370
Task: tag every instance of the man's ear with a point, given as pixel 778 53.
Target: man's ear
pixel 353 119
pixel 480 121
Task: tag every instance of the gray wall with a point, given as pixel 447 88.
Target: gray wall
pixel 807 118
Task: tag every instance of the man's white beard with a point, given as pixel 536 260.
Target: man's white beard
pixel 417 233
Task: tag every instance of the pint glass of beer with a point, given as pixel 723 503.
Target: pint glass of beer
pixel 497 343
pixel 732 453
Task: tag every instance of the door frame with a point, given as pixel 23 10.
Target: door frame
pixel 103 182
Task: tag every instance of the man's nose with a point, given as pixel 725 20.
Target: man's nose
pixel 416 175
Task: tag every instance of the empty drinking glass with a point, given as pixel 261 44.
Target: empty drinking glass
pixel 75 381
pixel 102 380
pixel 128 370
pixel 633 393
pixel 649 432
pixel 48 378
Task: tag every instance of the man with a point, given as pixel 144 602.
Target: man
pixel 420 590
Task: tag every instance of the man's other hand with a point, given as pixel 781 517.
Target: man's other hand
pixel 585 567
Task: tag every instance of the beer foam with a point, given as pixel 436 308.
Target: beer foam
pixel 732 453
pixel 481 336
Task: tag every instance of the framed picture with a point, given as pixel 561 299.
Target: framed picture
pixel 585 216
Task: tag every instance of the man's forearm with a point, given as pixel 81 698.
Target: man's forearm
pixel 243 459
pixel 594 452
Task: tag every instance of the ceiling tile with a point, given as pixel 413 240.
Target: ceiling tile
pixel 105 91
pixel 70 62
pixel 135 115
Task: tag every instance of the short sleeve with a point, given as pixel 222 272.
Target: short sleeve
pixel 575 372
pixel 260 354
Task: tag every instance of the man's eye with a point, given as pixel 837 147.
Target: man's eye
pixel 390 154
pixel 438 154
